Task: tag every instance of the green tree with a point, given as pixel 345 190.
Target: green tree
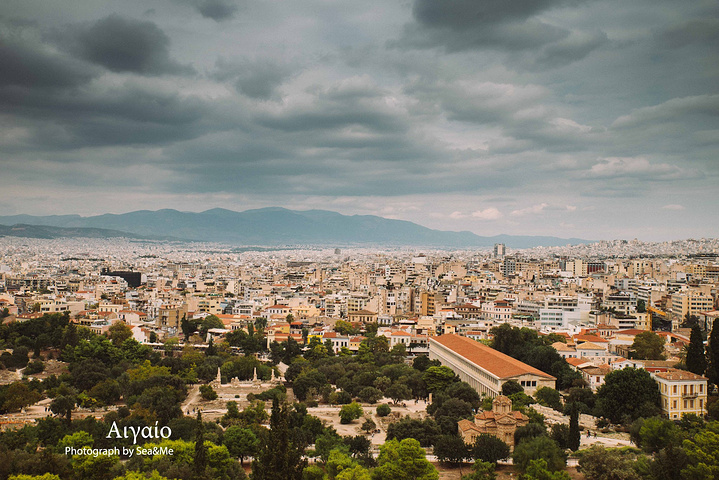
pixel 641 306
pixel 277 352
pixel 337 462
pixel 313 472
pixel 648 346
pixel 36 366
pixel 399 351
pixel 574 438
pixel 119 332
pixel 600 463
pixel 207 392
pixel 559 432
pixel 451 449
pixel 356 472
pixel 481 471
pixel 281 451
pixel 628 391
pixel 345 328
pixel 549 397
pixel 451 412
pixel 154 475
pixel 383 410
pixel 350 412
pixel 463 391
pixel 713 354
pixel 511 387
pixel 488 448
pixel 703 454
pixel 241 442
pixel 200 463
pixel 425 431
pixel 539 447
pixel 657 433
pixel 45 476
pixel 438 378
pixel 210 321
pixel 538 470
pixel 529 431
pixel 370 395
pixel 100 467
pixel 403 460
pixel 368 425
pixel 696 358
pixel 19 395
pixel 188 326
pixel 63 405
pixel 398 392
pixel 76 440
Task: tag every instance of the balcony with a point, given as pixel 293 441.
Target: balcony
pixel 689 395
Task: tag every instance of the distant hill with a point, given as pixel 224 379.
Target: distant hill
pixel 280 226
pixel 46 231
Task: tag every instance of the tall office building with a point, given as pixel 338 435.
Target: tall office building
pixel 500 250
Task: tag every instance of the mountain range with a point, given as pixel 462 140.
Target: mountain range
pixel 265 226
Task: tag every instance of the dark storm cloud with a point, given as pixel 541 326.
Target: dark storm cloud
pixel 254 78
pixel 470 14
pixel 123 44
pixel 128 114
pixel 700 31
pixel 458 25
pixel 32 65
pixel 217 10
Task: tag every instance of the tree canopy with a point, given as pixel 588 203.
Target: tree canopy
pixel 627 394
pixel 648 346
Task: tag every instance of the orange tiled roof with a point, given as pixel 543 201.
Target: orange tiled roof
pixel 679 375
pixel 590 338
pixel 495 362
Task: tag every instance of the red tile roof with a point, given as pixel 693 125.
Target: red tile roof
pixel 679 375
pixel 494 361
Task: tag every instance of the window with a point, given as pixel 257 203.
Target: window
pixel 674 390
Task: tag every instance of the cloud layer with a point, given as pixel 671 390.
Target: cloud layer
pixel 562 117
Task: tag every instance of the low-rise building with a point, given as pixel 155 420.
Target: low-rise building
pixel 485 368
pixel 500 422
pixel 681 393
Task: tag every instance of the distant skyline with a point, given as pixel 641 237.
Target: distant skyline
pixel 595 120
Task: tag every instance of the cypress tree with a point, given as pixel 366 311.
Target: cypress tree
pixel 696 361
pixel 280 456
pixel 713 354
pixel 200 463
pixel 574 434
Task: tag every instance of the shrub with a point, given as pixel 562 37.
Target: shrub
pixel 383 410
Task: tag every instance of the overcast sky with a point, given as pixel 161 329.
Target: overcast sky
pixel 593 119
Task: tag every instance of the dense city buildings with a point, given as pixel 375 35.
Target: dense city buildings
pixel 595 299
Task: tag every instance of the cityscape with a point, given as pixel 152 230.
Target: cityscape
pixel 340 240
pixel 481 356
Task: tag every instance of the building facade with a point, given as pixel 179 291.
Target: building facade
pixel 681 393
pixel 485 368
